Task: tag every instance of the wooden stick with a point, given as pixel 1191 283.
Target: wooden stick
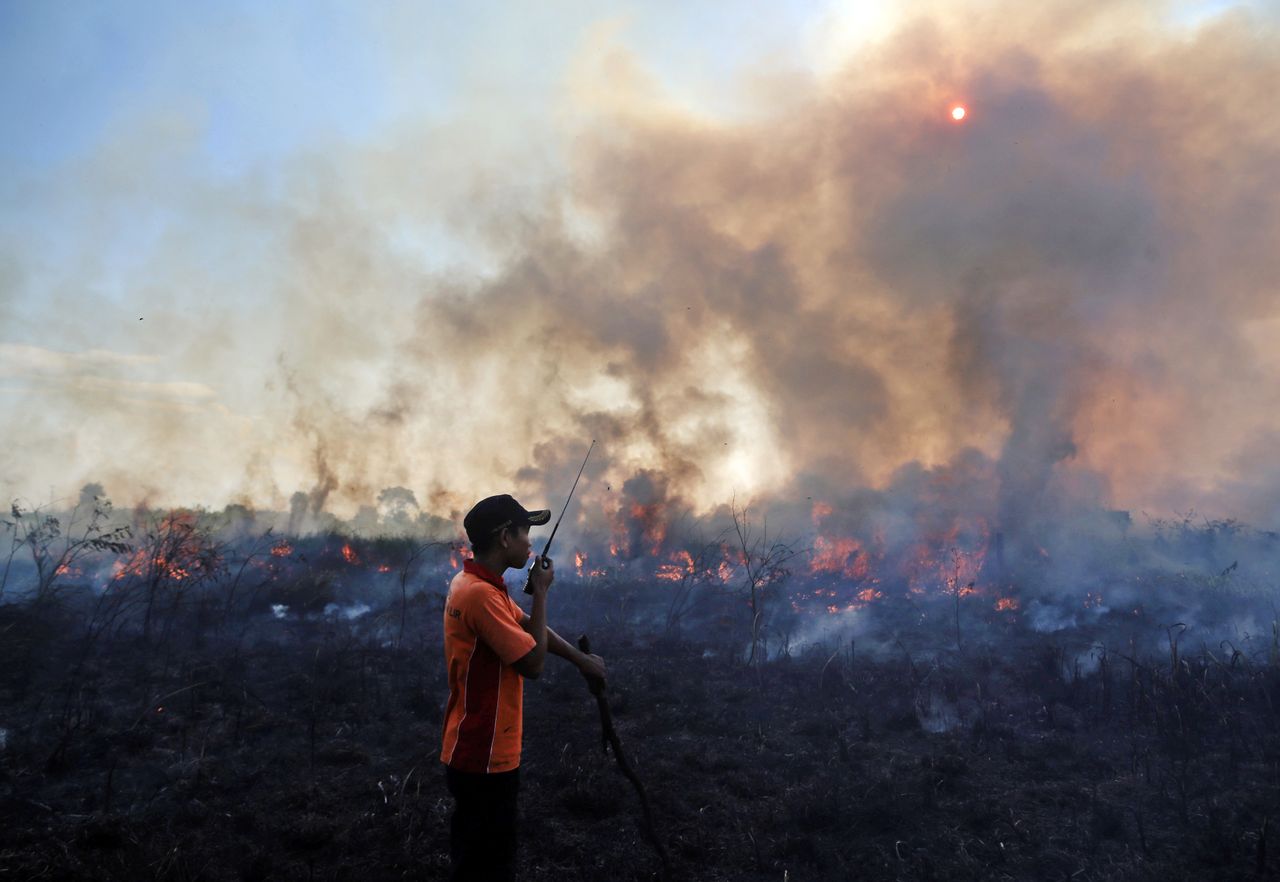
pixel 609 738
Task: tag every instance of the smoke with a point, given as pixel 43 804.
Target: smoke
pixel 1071 292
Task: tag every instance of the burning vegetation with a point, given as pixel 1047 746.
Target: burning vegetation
pixel 917 702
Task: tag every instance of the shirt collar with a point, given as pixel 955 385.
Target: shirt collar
pixel 477 569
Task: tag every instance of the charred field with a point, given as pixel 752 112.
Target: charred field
pixel 278 718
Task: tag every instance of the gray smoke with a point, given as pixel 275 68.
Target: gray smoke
pixel 1072 289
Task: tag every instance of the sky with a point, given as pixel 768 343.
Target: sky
pixel 252 249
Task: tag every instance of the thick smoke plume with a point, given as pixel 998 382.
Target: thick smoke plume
pixel 1065 301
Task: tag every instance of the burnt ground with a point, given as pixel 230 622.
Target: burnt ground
pixel 305 748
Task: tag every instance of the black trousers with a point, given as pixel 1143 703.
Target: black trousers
pixel 482 832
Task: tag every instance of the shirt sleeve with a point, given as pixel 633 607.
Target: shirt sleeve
pixel 497 621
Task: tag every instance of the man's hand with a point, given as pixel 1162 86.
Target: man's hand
pixel 540 577
pixel 592 667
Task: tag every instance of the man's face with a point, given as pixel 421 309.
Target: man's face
pixel 518 547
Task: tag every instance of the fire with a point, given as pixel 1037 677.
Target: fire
pixel 281 549
pixel 177 552
pixel 655 525
pixel 1007 604
pixel 955 570
pixel 681 566
pixel 580 561
pixel 349 554
pixel 383 568
pixel 843 556
pixel 142 565
pixel 457 555
pixel 869 595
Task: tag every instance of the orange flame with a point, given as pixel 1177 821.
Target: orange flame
pixel 843 556
pixel 142 565
pixel 458 554
pixel 681 566
pixel 349 554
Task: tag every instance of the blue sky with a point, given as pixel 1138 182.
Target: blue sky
pixel 268 76
pixel 264 80
pixel 242 88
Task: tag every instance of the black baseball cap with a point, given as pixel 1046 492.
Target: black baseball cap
pixel 494 513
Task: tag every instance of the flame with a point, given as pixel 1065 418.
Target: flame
pixel 183 556
pixel 1007 604
pixel 349 553
pixel 458 554
pixel 680 567
pixel 383 568
pixel 579 561
pixel 947 558
pixel 652 521
pixel 843 556
pixel 956 569
pixel 281 549
pixel 140 564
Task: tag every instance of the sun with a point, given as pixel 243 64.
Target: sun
pixel 958 112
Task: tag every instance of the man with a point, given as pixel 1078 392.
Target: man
pixel 490 646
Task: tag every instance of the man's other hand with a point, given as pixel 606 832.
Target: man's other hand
pixel 540 577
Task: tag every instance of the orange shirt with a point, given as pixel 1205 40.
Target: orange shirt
pixel 482 638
